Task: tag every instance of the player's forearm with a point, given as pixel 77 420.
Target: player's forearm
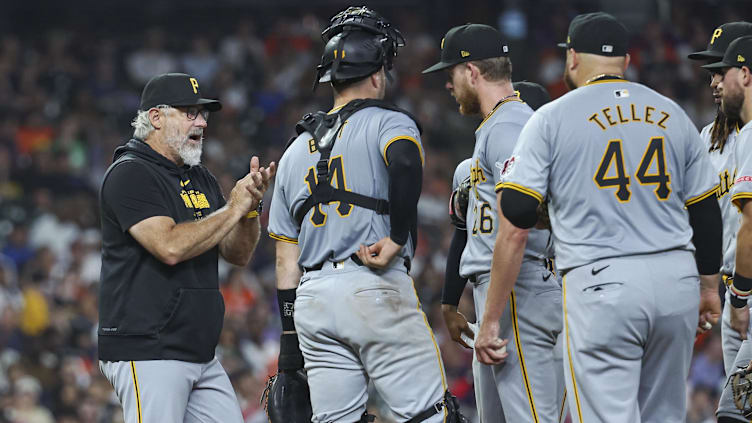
pixel 742 285
pixel 707 234
pixel 190 239
pixel 454 284
pixel 238 245
pixel 288 277
pixel 505 267
pixel 744 246
pixel 288 271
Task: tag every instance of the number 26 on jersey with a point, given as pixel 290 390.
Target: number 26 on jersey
pixel 650 171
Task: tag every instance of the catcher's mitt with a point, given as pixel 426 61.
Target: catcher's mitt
pixel 287 399
pixel 458 204
pixel 741 387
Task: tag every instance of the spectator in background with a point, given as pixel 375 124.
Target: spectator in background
pixel 201 62
pixel 152 59
pixel 25 407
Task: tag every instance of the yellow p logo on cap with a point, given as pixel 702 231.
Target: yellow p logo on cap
pixel 194 84
pixel 717 33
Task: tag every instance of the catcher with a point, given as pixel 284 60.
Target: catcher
pixel 345 213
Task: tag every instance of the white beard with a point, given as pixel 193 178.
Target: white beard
pixel 188 150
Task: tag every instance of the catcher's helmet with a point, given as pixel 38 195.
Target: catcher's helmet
pixel 359 42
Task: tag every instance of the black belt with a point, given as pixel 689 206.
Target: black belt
pixel 354 257
pixel 547 262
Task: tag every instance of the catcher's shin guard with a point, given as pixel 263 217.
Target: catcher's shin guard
pixel 452 407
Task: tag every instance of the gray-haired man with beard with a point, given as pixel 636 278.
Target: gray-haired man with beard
pixel 164 224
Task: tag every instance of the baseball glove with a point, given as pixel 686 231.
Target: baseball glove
pixel 287 399
pixel 741 387
pixel 458 204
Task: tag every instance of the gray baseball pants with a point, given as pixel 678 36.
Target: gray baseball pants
pixel 171 391
pixel 629 330
pixel 356 324
pixel 528 386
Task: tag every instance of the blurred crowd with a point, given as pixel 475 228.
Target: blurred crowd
pixel 68 93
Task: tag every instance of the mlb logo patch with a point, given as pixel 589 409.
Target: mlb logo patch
pixel 621 93
pixel 506 168
pixel 606 48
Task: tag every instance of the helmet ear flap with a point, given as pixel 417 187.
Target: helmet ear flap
pixel 338 55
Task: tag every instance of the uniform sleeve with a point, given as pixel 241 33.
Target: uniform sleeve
pixel 527 169
pixel 742 188
pixel 132 194
pixel 399 127
pixel 700 181
pixel 282 227
pixel 502 139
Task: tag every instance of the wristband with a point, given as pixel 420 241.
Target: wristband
pixel 737 302
pixel 255 213
pixel 740 290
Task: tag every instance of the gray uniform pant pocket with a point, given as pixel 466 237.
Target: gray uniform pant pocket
pixel 629 332
pixel 355 326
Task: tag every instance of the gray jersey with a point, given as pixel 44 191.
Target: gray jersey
pixel 742 189
pixel 495 139
pixel 358 161
pixel 461 173
pixel 619 163
pixel 725 166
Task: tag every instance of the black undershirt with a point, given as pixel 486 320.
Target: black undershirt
pixel 405 170
pixel 454 284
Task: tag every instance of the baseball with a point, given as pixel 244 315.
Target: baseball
pixel 707 326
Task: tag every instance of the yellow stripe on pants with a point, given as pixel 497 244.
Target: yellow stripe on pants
pixel 513 305
pixel 435 345
pixel 138 394
pixel 569 350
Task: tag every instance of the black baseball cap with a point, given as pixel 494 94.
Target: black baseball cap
pixel 720 40
pixel 470 42
pixel 597 33
pixel 738 54
pixel 175 89
pixel 531 93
